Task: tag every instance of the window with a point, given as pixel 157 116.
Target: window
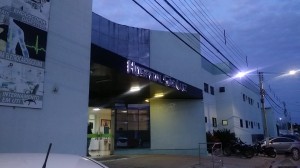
pixel 133 120
pixel 258 125
pixel 282 140
pixel 241 123
pixel 244 97
pixel 257 105
pixel 212 90
pixel 224 122
pixel 251 124
pixel 205 119
pixel 247 124
pixel 222 89
pixel 214 121
pixel 206 87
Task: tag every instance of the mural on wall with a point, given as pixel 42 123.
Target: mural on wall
pixel 23 39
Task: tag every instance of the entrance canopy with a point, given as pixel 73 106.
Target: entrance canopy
pixel 112 77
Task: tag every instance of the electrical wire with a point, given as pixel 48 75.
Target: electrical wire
pixel 207 50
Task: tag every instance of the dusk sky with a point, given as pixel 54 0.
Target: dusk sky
pixel 267 32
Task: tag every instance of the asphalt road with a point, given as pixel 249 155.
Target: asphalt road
pixel 179 161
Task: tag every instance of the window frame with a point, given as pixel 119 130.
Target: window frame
pixel 206 87
pixel 224 122
pixel 214 122
pixel 212 90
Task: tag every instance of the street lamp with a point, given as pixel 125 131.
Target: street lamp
pixel 292 72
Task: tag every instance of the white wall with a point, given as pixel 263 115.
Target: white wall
pixel 176 124
pixel 172 57
pixel 245 111
pixel 210 101
pixel 229 105
pixel 63 118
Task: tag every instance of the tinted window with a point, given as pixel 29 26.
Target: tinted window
pixel 214 120
pixel 292 137
pixel 222 89
pixel 205 87
pixel 212 90
pixel 282 140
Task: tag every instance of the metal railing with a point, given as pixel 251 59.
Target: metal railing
pixel 214 150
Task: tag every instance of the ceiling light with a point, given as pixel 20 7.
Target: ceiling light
pixel 134 89
pixel 157 95
pixel 147 100
pixel 96 109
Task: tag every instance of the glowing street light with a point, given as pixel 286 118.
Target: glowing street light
pixel 292 72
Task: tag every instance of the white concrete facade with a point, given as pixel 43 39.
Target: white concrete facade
pixel 63 118
pixel 238 105
pixel 176 123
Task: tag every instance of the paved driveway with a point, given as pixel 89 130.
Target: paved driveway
pixel 178 161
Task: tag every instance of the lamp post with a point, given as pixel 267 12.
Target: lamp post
pixel 262 100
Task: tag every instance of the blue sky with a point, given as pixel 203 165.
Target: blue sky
pixel 267 31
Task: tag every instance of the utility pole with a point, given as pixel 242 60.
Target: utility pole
pixel 285 116
pixel 288 119
pixel 262 100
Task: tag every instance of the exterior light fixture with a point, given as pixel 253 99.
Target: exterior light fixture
pixel 292 72
pixel 240 74
pixel 157 95
pixel 96 109
pixel 134 89
pixel 147 100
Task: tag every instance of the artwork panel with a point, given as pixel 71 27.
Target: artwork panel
pixel 32 12
pixel 21 85
pixel 26 41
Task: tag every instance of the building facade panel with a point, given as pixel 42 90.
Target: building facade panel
pixel 177 125
pixel 62 120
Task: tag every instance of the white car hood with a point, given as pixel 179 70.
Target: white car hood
pixel 36 160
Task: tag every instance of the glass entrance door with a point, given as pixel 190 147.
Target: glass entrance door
pixel 132 128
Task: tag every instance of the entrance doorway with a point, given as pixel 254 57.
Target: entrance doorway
pixel 125 126
pixel 132 126
pixel 101 137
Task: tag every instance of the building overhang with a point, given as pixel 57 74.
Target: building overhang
pixel 112 76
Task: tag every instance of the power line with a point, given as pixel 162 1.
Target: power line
pixel 207 27
pixel 207 50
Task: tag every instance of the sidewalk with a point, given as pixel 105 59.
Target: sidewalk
pixel 179 161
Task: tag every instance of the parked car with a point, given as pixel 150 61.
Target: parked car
pixel 296 137
pixel 285 145
pixel 122 142
pixel 37 160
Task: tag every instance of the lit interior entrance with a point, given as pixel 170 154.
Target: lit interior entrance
pixel 123 120
pixel 132 126
pixel 120 115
